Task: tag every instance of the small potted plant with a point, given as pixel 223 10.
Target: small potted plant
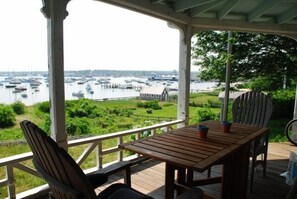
pixel 203 130
pixel 226 126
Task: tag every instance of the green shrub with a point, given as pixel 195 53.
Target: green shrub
pixel 152 104
pixel 71 128
pixel 78 126
pixel 47 123
pixel 204 114
pixel 18 107
pixel 266 84
pixel 196 104
pixel 44 107
pixel 125 125
pixel 214 104
pixel 168 104
pixel 83 108
pixel 7 116
pixel 283 103
pixel 140 104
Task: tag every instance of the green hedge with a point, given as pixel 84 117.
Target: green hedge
pixel 283 104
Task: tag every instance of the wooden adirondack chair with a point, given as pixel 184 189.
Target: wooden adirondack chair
pixel 67 180
pixel 254 108
pixel 65 177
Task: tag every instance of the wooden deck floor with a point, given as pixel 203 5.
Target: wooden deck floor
pixel 148 177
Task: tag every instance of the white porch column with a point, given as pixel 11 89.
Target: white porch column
pixel 184 78
pixel 55 12
pixel 224 116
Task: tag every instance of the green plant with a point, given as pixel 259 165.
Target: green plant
pixel 283 103
pixel 204 114
pixel 44 107
pixel 7 116
pixel 18 107
pixel 153 104
pixel 78 126
pixel 83 108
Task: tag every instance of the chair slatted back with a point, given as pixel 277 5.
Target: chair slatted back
pixel 253 108
pixel 57 164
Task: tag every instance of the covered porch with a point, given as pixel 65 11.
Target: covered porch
pixel 189 17
pixel 274 17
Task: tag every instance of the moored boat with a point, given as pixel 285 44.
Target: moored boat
pixel 78 94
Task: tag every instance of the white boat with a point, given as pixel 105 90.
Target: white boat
pixel 10 86
pixel 103 81
pixel 20 88
pixel 34 84
pixel 88 87
pixel 78 94
pixel 24 95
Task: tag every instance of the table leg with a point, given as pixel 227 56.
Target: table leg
pixel 181 179
pixel 235 174
pixel 169 181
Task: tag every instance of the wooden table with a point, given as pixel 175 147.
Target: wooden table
pixel 182 149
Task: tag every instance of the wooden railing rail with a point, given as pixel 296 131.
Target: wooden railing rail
pixel 94 143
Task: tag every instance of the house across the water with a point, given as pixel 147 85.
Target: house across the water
pixel 155 92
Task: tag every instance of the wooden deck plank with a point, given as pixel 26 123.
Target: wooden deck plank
pixel 148 177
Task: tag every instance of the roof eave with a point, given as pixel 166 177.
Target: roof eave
pixel 154 10
pixel 200 24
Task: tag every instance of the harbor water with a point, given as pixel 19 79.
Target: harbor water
pixel 99 88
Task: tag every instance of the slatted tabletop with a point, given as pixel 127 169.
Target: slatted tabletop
pixel 183 147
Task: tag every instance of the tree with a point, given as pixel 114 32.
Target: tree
pixel 255 57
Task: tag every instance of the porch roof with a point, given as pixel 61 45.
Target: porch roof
pixel 267 16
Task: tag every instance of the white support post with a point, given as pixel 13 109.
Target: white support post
pixel 227 80
pixel 55 12
pixel 184 78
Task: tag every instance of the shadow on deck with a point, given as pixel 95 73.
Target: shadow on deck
pixel 148 177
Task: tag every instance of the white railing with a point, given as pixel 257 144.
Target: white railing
pixel 94 143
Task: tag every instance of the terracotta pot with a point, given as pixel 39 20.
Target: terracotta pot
pixel 226 126
pixel 202 131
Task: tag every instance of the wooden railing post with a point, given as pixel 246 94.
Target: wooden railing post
pixel 99 155
pixel 10 181
pixel 120 152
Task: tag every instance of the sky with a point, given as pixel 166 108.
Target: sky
pixel 96 36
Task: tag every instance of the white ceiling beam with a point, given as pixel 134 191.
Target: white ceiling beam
pixel 287 16
pixel 262 9
pixel 150 9
pixel 200 24
pixel 227 8
pixel 181 5
pixel 203 8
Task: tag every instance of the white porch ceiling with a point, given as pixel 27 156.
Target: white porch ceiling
pixel 267 16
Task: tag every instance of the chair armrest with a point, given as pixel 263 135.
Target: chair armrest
pixel 99 177
pixel 114 168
